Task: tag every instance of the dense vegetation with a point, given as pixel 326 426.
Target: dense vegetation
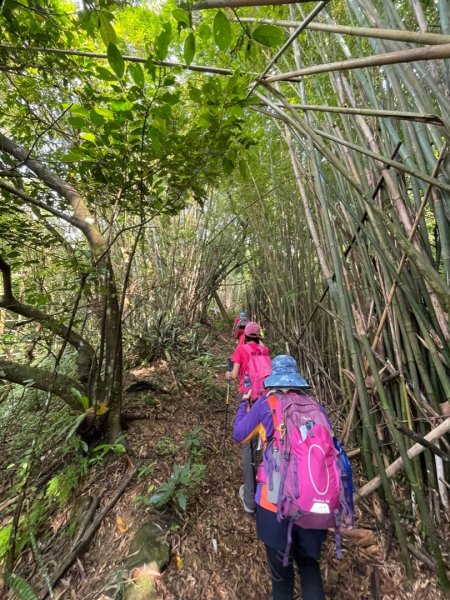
pixel 142 194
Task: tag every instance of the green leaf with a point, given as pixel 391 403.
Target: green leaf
pixel 160 124
pixel 105 74
pixel 104 112
pixel 222 30
pixel 107 31
pixel 189 48
pixel 243 169
pixel 20 587
pixel 90 137
pixel 121 105
pixel 204 31
pixel 228 166
pixel 77 122
pixel 115 60
pixel 181 499
pixel 268 35
pixel 182 17
pixel 137 73
pixel 163 40
pixel 78 110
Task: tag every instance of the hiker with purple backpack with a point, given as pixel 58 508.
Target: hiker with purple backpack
pixel 304 483
pixel 251 363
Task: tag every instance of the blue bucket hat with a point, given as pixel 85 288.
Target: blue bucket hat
pixel 242 315
pixel 285 374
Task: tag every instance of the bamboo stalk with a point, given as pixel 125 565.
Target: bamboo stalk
pixel 397 465
pixel 396 35
pixel 415 484
pixel 393 163
pixel 422 440
pixel 392 114
pixel 207 4
pixel 378 60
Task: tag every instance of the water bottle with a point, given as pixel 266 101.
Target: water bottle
pixel 247 383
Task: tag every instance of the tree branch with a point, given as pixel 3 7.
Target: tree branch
pixel 41 379
pixel 86 354
pixel 82 217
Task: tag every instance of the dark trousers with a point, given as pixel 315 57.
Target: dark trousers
pixel 283 577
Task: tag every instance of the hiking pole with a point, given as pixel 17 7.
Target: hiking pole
pixel 227 398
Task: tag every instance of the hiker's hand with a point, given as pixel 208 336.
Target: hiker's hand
pixel 247 395
pixel 228 375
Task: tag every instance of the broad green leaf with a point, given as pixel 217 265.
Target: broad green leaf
pixel 121 105
pixel 78 110
pixel 137 73
pixel 163 40
pixel 115 60
pixel 160 124
pixel 222 30
pixel 189 48
pixel 77 122
pixel 268 35
pixel 105 74
pixel 228 166
pixel 107 31
pixel 90 137
pixel 204 31
pixel 182 17
pixel 171 99
pixel 104 112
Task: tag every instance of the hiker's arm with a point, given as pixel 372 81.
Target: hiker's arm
pixel 233 374
pixel 247 424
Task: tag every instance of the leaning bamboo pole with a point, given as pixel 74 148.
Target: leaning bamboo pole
pixel 434 435
pixel 397 35
pixel 208 4
pixel 368 112
pixel 379 60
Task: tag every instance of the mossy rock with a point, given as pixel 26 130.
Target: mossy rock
pixel 147 547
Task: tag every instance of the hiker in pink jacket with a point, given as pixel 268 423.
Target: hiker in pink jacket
pixel 241 358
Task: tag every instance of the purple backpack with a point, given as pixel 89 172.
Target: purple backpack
pixel 306 476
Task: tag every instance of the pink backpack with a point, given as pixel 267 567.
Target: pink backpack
pixel 305 475
pixel 259 367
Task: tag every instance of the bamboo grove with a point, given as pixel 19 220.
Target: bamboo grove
pixel 370 220
pixel 328 217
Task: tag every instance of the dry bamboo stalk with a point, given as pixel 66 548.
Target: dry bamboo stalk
pixel 397 465
pixel 378 60
pixel 207 4
pixel 397 35
pixel 369 112
pixel 404 256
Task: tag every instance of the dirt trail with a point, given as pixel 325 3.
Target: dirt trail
pixel 215 553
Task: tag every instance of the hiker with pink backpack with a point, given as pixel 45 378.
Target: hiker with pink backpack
pixel 304 483
pixel 251 364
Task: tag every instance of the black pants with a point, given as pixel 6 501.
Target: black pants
pixel 283 577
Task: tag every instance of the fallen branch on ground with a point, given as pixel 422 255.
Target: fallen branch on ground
pixel 73 554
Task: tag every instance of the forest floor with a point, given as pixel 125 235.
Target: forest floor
pixel 214 550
